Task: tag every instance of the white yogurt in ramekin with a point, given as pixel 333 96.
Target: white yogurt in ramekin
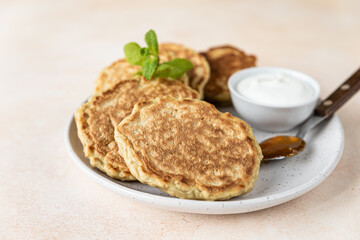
pixel 273 99
pixel 278 89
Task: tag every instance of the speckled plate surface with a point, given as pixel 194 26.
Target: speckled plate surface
pixel 278 182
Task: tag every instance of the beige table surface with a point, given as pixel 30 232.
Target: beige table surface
pixel 52 51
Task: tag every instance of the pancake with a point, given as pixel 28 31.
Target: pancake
pixel 199 75
pixel 224 61
pixel 96 119
pixel 119 71
pixel 188 149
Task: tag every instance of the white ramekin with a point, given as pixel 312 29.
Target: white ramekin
pixel 269 117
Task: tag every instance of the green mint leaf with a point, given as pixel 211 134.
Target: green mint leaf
pixel 152 43
pixel 133 54
pixel 181 63
pixel 145 51
pixel 149 67
pixel 163 71
pixel 173 69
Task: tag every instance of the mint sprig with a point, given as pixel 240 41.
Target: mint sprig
pixel 148 59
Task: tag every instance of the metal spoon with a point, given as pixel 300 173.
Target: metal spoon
pixel 280 147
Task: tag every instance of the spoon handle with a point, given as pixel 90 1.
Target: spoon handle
pixel 340 96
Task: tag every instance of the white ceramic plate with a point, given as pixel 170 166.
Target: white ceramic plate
pixel 278 182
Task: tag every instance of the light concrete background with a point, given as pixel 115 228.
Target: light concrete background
pixel 50 55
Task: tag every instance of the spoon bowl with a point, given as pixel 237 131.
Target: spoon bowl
pixel 280 147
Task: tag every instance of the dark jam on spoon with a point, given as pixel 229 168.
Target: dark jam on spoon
pixel 281 146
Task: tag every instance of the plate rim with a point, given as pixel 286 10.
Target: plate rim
pixel 200 206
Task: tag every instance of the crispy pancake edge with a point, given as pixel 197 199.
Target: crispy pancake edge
pixel 96 160
pixel 105 82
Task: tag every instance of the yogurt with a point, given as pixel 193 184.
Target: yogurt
pixel 277 89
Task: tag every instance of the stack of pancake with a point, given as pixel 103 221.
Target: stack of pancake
pixel 160 133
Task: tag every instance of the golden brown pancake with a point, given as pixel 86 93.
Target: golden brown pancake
pixel 119 71
pixel 224 61
pixel 188 149
pixel 97 118
pixel 199 75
